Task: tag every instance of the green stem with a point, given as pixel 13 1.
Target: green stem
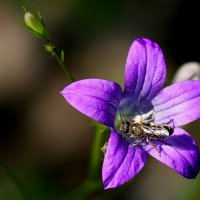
pixel 19 185
pixel 52 50
pixel 63 66
pixel 84 191
pixel 96 153
pixel 93 183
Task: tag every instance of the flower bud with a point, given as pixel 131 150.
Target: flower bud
pixel 35 25
pixel 187 71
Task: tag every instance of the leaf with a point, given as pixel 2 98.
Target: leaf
pixel 62 56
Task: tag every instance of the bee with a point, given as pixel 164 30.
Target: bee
pixel 139 130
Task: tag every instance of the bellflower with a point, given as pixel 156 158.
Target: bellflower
pixel 176 105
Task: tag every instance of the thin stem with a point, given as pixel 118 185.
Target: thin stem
pixel 19 185
pixel 96 153
pixel 52 50
pixel 93 183
pixel 63 66
pixel 84 191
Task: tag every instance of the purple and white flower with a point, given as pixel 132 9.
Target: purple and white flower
pixel 176 105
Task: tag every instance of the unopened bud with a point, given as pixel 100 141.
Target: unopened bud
pixel 35 25
pixel 188 71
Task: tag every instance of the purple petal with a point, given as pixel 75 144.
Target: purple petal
pixel 121 162
pixel 179 152
pixel 96 98
pixel 145 70
pixel 178 104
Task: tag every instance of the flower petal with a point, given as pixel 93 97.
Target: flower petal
pixel 179 152
pixel 96 98
pixel 178 104
pixel 145 70
pixel 122 162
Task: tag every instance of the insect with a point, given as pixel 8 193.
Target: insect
pixel 140 130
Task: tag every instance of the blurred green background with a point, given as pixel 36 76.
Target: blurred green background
pixel 45 141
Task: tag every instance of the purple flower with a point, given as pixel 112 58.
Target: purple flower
pixel 176 105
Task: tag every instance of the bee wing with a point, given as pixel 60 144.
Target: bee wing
pixel 162 132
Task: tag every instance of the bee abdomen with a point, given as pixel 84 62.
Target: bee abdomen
pixel 169 129
pixel 162 133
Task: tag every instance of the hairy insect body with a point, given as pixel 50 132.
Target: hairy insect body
pixel 140 130
pixel 157 131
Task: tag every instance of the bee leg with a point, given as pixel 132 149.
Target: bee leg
pixel 128 136
pixel 148 139
pixel 137 141
pixel 152 116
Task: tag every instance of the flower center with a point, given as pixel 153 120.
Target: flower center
pixel 141 129
pixel 137 118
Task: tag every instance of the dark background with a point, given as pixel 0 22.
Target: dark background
pixel 44 140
